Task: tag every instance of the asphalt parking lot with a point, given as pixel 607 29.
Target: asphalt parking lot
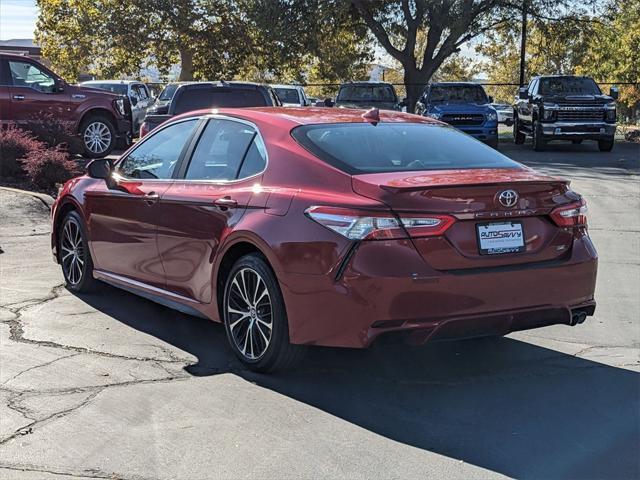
pixel 110 385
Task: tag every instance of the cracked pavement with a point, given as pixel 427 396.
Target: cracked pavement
pixel 110 385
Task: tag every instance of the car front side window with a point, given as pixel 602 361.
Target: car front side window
pixel 25 74
pixel 156 156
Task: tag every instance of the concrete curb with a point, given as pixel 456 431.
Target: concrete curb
pixel 47 200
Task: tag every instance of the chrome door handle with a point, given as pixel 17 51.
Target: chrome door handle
pixel 18 97
pixel 151 198
pixel 225 202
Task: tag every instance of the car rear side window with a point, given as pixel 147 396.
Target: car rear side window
pixel 218 97
pixel 357 148
pixel 227 150
pixel 157 154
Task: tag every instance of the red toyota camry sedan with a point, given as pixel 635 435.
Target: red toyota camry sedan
pixel 298 227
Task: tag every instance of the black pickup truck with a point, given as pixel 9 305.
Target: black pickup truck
pixel 562 107
pixel 201 95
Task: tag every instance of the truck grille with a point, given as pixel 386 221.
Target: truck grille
pixel 463 119
pixel 587 114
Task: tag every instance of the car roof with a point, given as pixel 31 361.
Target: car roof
pixel 286 86
pixel 561 76
pixel 111 82
pixel 447 84
pixel 290 117
pixel 224 83
pixel 365 83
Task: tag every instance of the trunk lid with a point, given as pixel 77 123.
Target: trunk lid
pixel 471 196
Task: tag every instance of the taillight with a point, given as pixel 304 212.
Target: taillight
pixel 144 129
pixel 368 225
pixel 572 215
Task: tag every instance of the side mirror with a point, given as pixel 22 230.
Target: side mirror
pixel 523 94
pixel 59 86
pixel 490 99
pixel 403 103
pixel 614 93
pixel 101 169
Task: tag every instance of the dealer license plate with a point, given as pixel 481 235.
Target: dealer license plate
pixel 500 237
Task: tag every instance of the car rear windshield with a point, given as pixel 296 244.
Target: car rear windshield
pixel 218 97
pixel 287 95
pixel 168 91
pixel 457 94
pixel 366 93
pixel 568 86
pixel 111 87
pixel 358 148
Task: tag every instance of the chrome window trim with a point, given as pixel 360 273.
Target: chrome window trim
pixel 218 116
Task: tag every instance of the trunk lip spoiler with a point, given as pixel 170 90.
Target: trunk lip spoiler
pixel 417 188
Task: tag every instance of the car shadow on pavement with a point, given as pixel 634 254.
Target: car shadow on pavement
pixel 498 403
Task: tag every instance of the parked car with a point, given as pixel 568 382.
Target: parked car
pixel 161 105
pixel 137 92
pixel 465 105
pixel 291 95
pixel 563 107
pixel 30 92
pixel 368 95
pixel 198 95
pixel 505 113
pixel 298 226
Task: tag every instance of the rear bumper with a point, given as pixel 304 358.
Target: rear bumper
pixel 579 130
pixel 375 295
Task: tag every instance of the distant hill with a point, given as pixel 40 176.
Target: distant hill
pixel 18 42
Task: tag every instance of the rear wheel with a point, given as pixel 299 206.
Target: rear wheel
pixel 255 317
pixel 74 255
pixel 538 141
pixel 605 145
pixel 518 136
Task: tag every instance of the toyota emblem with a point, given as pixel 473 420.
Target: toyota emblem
pixel 508 198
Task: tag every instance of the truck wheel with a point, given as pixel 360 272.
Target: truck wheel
pixel 538 141
pixel 605 145
pixel 518 136
pixel 98 136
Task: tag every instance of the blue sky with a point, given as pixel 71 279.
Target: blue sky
pixel 17 18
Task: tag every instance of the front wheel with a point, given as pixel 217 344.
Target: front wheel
pixel 518 136
pixel 605 145
pixel 538 141
pixel 98 136
pixel 74 255
pixel 255 317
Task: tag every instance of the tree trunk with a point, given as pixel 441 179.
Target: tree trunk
pixel 186 65
pixel 414 84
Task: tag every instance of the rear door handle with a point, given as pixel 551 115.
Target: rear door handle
pixel 225 202
pixel 18 97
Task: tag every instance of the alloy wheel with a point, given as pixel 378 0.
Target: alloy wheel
pixel 97 137
pixel 72 252
pixel 249 314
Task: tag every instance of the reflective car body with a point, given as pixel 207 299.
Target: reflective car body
pixel 173 240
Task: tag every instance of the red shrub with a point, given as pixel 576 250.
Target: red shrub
pixel 15 145
pixel 47 167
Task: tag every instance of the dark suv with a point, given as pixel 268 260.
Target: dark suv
pixel 31 93
pixel 198 95
pixel 565 108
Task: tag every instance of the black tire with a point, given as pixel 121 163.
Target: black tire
pixel 74 255
pixel 576 142
pixel 539 143
pixel 258 330
pixel 605 145
pixel 518 136
pixel 98 136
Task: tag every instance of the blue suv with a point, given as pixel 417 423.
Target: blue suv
pixel 464 105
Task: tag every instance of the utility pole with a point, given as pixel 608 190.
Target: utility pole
pixel 523 41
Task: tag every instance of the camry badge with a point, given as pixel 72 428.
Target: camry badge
pixel 508 198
